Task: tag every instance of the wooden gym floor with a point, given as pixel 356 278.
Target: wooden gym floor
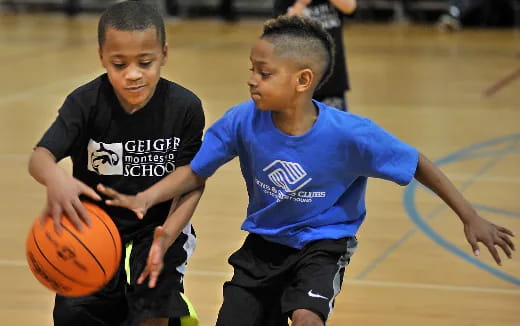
pixel 454 96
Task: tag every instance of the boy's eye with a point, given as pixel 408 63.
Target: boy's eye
pixel 146 63
pixel 118 65
pixel 264 74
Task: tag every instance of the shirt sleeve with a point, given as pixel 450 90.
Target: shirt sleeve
pixel 192 138
pixel 280 7
pixel 379 154
pixel 65 131
pixel 218 147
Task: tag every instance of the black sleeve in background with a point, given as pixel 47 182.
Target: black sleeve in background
pixel 192 135
pixel 280 7
pixel 65 131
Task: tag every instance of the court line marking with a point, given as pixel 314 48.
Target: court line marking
pixel 420 222
pixel 495 178
pixel 502 82
pixel 496 210
pixel 420 286
pixel 428 286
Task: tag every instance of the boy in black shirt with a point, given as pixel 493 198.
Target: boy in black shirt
pixel 127 128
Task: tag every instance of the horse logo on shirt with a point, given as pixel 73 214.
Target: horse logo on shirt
pixel 289 176
pixel 103 156
pixel 105 159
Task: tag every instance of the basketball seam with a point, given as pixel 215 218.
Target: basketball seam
pixel 111 235
pixel 87 249
pixel 53 266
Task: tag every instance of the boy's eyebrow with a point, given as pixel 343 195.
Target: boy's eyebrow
pixel 260 62
pixel 139 55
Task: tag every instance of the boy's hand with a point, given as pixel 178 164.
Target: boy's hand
pixel 491 235
pixel 155 262
pixel 63 199
pixel 134 203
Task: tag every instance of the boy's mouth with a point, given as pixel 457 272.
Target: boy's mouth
pixel 134 88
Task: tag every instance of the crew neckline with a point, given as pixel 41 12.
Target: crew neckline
pixel 312 130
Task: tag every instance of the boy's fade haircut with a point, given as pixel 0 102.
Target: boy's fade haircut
pixel 303 40
pixel 131 16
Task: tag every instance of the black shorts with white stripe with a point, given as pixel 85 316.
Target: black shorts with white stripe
pixel 271 280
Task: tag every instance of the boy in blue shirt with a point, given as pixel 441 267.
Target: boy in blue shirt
pixel 306 167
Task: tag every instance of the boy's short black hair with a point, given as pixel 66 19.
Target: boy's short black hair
pixel 131 16
pixel 302 39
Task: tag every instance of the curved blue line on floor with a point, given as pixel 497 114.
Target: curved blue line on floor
pixel 409 203
pixel 495 210
pixel 470 152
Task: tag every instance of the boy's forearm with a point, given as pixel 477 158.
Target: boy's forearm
pixel 434 179
pixel 345 6
pixel 178 183
pixel 42 165
pixel 181 214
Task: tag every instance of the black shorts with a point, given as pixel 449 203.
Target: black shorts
pixel 271 280
pixel 124 302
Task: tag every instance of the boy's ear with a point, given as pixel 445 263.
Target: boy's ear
pixel 165 54
pixel 305 79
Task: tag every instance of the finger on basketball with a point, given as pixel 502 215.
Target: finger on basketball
pixel 82 212
pixel 73 217
pixel 44 215
pixel 56 219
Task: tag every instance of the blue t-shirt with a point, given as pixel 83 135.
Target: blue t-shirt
pixel 308 187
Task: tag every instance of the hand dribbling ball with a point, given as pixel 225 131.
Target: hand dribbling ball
pixel 74 263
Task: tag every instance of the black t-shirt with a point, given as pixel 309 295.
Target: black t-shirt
pixel 128 152
pixel 332 20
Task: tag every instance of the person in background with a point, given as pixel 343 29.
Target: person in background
pixel 330 14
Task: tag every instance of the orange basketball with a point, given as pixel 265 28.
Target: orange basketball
pixel 74 263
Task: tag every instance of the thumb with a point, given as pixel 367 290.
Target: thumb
pixel 158 232
pixel 139 213
pixel 44 215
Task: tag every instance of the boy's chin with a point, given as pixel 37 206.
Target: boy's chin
pixel 138 101
pixel 261 107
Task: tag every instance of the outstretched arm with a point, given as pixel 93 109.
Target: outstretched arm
pixel 164 236
pixel 476 228
pixel 176 184
pixel 345 6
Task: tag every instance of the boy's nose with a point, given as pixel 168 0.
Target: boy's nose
pixel 251 82
pixel 133 73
